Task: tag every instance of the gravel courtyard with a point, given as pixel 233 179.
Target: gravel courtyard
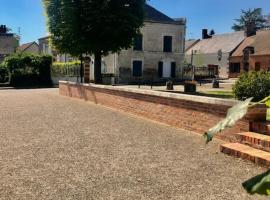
pixel 54 147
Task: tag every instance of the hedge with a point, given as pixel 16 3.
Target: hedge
pixel 29 70
pixel 3 74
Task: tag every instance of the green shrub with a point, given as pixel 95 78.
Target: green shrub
pixel 252 84
pixel 3 74
pixel 29 70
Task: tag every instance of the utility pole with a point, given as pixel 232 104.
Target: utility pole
pixel 193 67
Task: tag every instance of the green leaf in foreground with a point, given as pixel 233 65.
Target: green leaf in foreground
pixel 259 184
pixel 266 101
pixel 233 115
pixel 268 115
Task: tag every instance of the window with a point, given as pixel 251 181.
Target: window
pixel 160 69
pixel 173 69
pixel 138 43
pixel 257 66
pixel 167 44
pixel 137 68
pixel 234 67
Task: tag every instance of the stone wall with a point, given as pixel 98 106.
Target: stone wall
pixel 196 114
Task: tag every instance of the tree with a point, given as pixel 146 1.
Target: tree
pixel 96 27
pixel 251 17
pixel 212 32
pixel 267 21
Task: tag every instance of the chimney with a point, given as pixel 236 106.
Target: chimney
pixel 250 29
pixel 3 29
pixel 205 34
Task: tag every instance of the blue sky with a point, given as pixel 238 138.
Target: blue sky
pixel 211 14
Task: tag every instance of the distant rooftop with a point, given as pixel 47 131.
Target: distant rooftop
pixel 260 42
pixel 23 47
pixel 226 42
pixel 190 43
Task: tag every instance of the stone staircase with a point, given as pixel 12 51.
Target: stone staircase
pixel 253 146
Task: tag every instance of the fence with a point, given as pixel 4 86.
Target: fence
pixel 66 71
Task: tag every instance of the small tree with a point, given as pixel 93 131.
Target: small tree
pixel 250 17
pixel 212 32
pixel 96 27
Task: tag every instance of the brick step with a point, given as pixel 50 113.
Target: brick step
pixel 260 127
pixel 255 140
pixel 246 152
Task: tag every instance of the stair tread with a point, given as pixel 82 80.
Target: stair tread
pixel 255 135
pixel 248 150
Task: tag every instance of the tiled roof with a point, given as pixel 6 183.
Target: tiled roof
pixel 190 43
pixel 260 42
pixel 23 47
pixel 247 42
pixel 226 42
pixel 153 15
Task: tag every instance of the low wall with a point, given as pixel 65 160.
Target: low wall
pixel 193 113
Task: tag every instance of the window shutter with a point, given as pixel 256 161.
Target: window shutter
pixel 173 69
pixel 167 44
pixel 137 68
pixel 160 69
pixel 138 43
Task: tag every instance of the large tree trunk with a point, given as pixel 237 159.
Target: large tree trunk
pixel 97 68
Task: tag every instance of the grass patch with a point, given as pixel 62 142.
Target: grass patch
pixel 220 94
pixel 214 94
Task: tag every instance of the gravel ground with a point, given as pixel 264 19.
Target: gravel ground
pixel 53 147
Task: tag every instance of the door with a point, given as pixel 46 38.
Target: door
pixel 167 70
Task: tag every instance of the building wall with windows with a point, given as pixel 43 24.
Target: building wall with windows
pixel 45 48
pixel 255 63
pixel 157 55
pixel 8 44
pixel 215 51
pixel 252 55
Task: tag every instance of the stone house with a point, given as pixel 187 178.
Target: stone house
pixel 31 47
pixel 252 55
pixel 214 52
pixel 8 42
pixel 45 48
pixel 157 54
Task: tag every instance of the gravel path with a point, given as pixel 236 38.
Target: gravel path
pixel 53 147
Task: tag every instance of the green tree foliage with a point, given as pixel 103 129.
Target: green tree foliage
pixel 212 32
pixel 252 84
pixel 251 16
pixel 96 27
pixel 28 69
pixel 3 73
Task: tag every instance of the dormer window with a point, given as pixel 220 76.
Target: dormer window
pixel 247 51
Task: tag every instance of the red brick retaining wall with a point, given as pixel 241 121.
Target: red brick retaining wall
pixel 187 112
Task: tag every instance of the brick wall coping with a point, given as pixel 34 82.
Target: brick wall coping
pixel 199 99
